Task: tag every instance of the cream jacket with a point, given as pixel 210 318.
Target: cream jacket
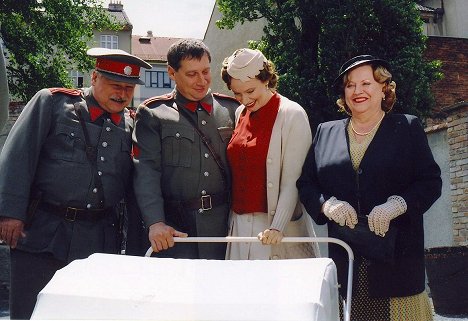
pixel 290 141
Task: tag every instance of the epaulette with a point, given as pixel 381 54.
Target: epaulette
pixel 165 97
pixel 67 91
pixel 226 97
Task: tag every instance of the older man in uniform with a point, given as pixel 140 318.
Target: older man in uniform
pixel 64 167
pixel 182 180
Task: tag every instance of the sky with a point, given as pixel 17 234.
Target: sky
pixel 168 18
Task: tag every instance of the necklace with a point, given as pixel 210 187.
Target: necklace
pixel 370 131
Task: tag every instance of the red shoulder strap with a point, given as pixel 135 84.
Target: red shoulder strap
pixel 225 96
pixel 158 98
pixel 67 91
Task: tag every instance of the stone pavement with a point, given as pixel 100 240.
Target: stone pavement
pixel 4 282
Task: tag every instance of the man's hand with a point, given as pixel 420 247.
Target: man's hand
pixel 270 237
pixel 11 230
pixel 161 236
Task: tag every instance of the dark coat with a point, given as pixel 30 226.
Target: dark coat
pixel 399 162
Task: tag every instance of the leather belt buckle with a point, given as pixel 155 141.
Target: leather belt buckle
pixel 206 203
pixel 70 214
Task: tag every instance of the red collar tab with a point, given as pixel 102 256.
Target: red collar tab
pixel 116 67
pixel 192 106
pixel 96 112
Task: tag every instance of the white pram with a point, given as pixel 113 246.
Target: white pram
pixel 106 286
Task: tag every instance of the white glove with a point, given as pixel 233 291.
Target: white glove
pixel 381 215
pixel 340 212
pixel 270 236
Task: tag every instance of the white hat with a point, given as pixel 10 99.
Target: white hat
pixel 244 64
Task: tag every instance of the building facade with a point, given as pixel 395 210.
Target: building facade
pixel 154 51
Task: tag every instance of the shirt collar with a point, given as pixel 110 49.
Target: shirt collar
pixel 206 103
pixel 95 112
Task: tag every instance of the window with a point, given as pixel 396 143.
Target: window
pixel 157 79
pixel 77 78
pixel 110 42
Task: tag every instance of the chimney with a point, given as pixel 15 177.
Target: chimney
pixel 147 38
pixel 115 6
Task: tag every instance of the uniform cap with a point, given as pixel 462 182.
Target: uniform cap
pixel 357 61
pixel 245 64
pixel 118 65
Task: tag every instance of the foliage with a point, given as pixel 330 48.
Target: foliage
pixel 308 40
pixel 43 38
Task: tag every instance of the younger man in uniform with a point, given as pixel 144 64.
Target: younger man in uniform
pixel 64 167
pixel 182 181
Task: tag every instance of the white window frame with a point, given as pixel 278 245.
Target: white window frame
pixel 109 41
pixel 157 79
pixel 75 77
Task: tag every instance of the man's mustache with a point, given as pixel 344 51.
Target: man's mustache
pixel 118 100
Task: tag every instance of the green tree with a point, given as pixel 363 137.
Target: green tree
pixel 43 38
pixel 308 40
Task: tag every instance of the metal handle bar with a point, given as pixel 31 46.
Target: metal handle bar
pixel 241 239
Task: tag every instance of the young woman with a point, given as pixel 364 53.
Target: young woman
pixel 266 153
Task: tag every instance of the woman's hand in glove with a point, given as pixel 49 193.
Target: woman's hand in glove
pixel 381 215
pixel 340 212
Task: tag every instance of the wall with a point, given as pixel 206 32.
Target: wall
pixel 453 53
pixel 452 110
pixel 457 132
pixel 449 143
pixel 222 43
pixel 453 21
pixel 438 220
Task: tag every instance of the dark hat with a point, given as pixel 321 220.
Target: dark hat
pixel 118 65
pixel 357 61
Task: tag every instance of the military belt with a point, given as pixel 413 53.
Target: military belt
pixel 205 202
pixel 72 214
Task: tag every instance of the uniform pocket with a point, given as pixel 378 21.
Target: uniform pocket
pixel 67 143
pixel 177 143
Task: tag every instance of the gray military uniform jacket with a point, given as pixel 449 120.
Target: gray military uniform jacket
pixel 175 171
pixel 44 155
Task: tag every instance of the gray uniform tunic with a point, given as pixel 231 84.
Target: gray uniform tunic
pixel 173 165
pixel 45 154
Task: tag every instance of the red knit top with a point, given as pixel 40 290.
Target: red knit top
pixel 247 152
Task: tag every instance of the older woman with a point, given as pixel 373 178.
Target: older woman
pixel 371 177
pixel 266 153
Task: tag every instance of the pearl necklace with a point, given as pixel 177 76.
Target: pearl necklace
pixel 370 131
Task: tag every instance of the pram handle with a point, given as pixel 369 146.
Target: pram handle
pixel 240 239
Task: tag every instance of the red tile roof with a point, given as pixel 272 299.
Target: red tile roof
pixel 151 48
